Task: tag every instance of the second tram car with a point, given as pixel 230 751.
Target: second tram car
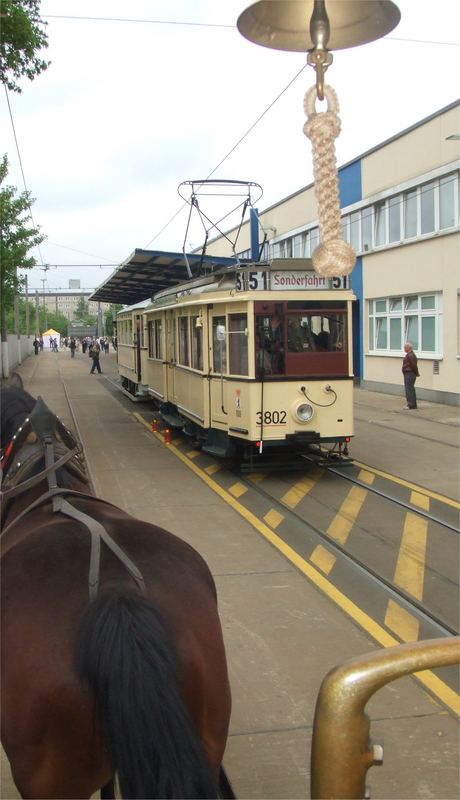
pixel 247 358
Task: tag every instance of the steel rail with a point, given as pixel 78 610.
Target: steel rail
pixel 419 511
pixel 442 628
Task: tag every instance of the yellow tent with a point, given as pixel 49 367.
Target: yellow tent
pixel 50 334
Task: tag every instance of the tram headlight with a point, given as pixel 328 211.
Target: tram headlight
pixel 304 412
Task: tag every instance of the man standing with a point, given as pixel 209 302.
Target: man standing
pixel 410 373
pixel 72 346
pixel 94 353
pixel 36 344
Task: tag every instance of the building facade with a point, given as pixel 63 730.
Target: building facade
pixel 400 212
pixel 66 302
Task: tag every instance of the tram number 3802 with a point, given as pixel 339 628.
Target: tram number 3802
pixel 271 418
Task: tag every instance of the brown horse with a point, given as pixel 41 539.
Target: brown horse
pixel 131 683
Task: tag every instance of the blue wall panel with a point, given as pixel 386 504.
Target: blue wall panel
pixel 350 191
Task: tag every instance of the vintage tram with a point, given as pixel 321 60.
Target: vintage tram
pixel 250 358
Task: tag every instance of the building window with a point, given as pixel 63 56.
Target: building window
pixel 413 318
pixel 394 219
pixel 380 223
pixel 366 228
pixel 447 214
pixel 427 208
pixel 410 214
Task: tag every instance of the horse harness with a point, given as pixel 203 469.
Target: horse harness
pixel 42 434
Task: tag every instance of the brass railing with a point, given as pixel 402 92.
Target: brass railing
pixel 342 751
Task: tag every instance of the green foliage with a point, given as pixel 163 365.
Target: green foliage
pixel 82 314
pixel 16 240
pixel 46 319
pixel 22 35
pixel 81 309
pixel 57 321
pixel 109 316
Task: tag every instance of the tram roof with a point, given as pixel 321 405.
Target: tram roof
pixel 147 272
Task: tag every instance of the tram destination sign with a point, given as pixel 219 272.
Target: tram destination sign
pixel 287 281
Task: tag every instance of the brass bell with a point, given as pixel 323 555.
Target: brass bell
pixel 286 24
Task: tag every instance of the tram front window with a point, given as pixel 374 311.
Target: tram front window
pixel 293 339
pixel 321 333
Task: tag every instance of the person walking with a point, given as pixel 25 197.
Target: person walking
pixel 95 353
pixel 36 344
pixel 410 374
pixel 73 346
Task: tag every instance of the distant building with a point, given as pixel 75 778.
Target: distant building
pixel 66 302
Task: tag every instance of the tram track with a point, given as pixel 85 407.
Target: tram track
pixel 439 626
pixel 429 619
pixel 408 506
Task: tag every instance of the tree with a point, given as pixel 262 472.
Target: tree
pixel 110 315
pixel 82 314
pixel 22 36
pixel 16 240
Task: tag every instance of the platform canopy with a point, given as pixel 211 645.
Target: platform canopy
pixel 147 272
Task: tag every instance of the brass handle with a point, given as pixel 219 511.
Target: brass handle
pixel 341 750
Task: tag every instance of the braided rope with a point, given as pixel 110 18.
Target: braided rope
pixel 333 256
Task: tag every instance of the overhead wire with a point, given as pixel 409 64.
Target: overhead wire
pixel 240 140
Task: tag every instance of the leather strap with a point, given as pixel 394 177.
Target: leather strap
pixel 95 528
pixel 22 487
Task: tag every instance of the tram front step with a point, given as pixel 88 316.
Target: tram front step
pixel 172 420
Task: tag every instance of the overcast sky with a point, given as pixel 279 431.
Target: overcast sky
pixel 128 110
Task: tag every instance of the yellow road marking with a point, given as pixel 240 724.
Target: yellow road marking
pixel 401 622
pixel 420 500
pixel 410 566
pixel 193 454
pixel 434 495
pixel 212 469
pixel 238 489
pixel 256 477
pixel 435 685
pixel 293 497
pixel 273 518
pixel 323 559
pixel 345 518
pixel 366 477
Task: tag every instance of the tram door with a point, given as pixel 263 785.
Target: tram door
pixel 170 356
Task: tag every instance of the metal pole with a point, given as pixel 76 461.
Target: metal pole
pixel 44 303
pixel 27 307
pixel 16 327
pixel 37 314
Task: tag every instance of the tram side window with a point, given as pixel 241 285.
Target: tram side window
pixel 184 357
pixel 270 343
pixel 196 327
pixel 154 337
pixel 219 345
pixel 238 343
